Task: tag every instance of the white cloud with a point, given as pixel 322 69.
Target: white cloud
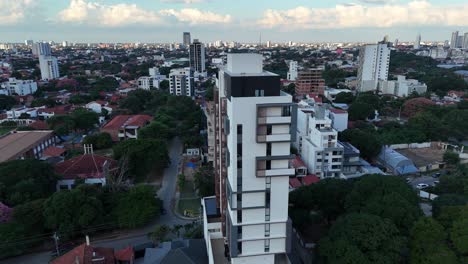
pixel 184 1
pixel 415 13
pixel 96 14
pixel 195 16
pixel 14 11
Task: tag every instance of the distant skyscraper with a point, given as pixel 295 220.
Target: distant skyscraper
pixel 28 42
pixel 373 66
pixel 454 40
pixel 197 56
pixel 268 44
pixel 49 67
pixel 41 49
pixel 186 39
pixel 65 44
pixel 417 43
pixel 396 42
pixel 460 42
pixel 465 41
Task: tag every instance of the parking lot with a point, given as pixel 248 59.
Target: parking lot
pixel 428 179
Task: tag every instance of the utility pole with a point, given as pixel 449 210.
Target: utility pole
pixel 56 239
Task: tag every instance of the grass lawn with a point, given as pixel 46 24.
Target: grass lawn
pixel 188 199
pixel 4 130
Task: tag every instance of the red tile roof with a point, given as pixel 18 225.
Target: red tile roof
pixel 84 166
pixel 53 152
pixel 337 111
pixel 39 125
pixel 297 162
pixel 127 120
pixel 126 254
pixel 58 110
pixel 294 183
pixel 85 254
pixel 310 179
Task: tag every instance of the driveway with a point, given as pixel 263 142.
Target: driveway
pixel 136 236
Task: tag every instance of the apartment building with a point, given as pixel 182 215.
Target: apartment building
pixel 402 87
pixel 310 82
pixel 19 87
pixel 197 56
pixel 374 63
pixel 152 81
pixel 292 73
pixel 49 67
pixel 253 124
pixel 181 82
pixel 317 142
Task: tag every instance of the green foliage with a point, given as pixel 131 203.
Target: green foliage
pixel 155 130
pixel 160 233
pixel 290 89
pixel 446 200
pixel 205 181
pixel 26 180
pixel 137 206
pixel 386 196
pixel 143 155
pixel 278 67
pixel 344 98
pixel 428 245
pixel 84 119
pixel 71 211
pixel 367 142
pixel 451 157
pixel 164 85
pixel 181 181
pixel 43 101
pixel 362 238
pixel 29 215
pixel 333 76
pixel 99 141
pixel 454 183
pixel 107 84
pixel 80 99
pixel 6 102
pixel 459 233
pixel 360 111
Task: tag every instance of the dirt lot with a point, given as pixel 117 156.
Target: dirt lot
pixel 423 156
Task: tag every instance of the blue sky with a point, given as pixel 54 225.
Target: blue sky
pixel 238 20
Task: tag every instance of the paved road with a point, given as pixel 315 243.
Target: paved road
pixel 429 180
pixel 137 236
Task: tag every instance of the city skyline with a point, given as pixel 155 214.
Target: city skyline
pixel 243 21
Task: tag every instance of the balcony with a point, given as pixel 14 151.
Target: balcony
pixel 275 172
pixel 274 138
pixel 270 120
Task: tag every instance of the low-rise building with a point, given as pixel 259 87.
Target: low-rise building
pixel 91 168
pixel 98 106
pixel 47 113
pixel 25 144
pixel 17 112
pixel 19 87
pixel 402 87
pixel 123 127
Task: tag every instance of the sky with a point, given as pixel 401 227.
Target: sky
pixel 231 20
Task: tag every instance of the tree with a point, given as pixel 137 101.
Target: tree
pixel 84 119
pixel 362 238
pixel 164 85
pixel 155 130
pixel 459 233
pixel 446 200
pixel 290 89
pixel 30 216
pixel 72 212
pixel 137 206
pixel 181 181
pixel 367 143
pixel 360 111
pixel 451 158
pixel 143 155
pixel 344 98
pixel 26 180
pixel 159 234
pixel 428 243
pixel 99 141
pixel 6 102
pixel 5 213
pixel 204 181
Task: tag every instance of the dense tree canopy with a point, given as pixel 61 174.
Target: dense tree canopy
pixel 26 180
pixel 6 102
pixel 367 143
pixel 99 141
pixel 137 206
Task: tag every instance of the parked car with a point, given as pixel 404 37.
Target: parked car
pixel 422 185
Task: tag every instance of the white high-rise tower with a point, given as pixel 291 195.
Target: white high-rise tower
pixel 374 62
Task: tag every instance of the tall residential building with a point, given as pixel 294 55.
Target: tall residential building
pixel 292 73
pixel 454 40
pixel 49 67
pixel 465 41
pixel 181 82
pixel 186 39
pixel 247 220
pixel 41 49
pixel 28 42
pixel 197 56
pixel 310 81
pixel 374 61
pixel 417 43
pixel 460 42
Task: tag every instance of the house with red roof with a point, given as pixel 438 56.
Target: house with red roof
pixel 310 179
pixel 299 166
pixel 47 113
pixel 91 168
pixel 123 127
